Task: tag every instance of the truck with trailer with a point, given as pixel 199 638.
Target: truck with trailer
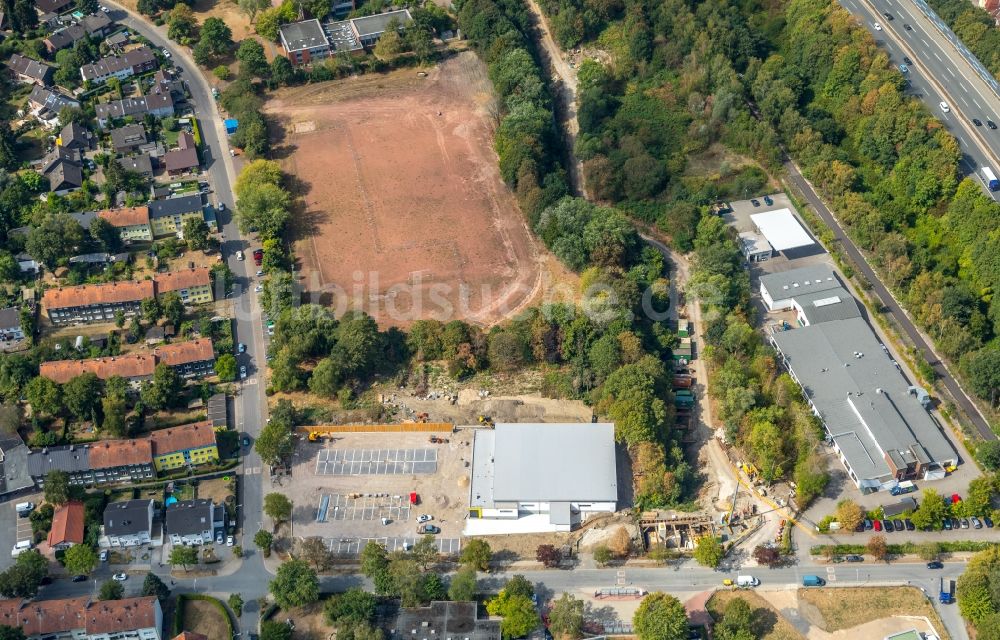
pixel 990 179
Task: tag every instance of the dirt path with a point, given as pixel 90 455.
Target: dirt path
pixel 564 87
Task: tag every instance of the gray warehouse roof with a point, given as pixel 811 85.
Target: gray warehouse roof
pixel 544 462
pixel 785 284
pixel 374 25
pixel 298 36
pixel 831 304
pixel 861 396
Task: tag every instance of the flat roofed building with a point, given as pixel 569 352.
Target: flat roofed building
pixel 443 620
pixel 755 247
pixel 779 289
pixel 371 28
pixel 881 432
pixel 825 306
pixel 304 41
pixel 782 229
pixel 520 485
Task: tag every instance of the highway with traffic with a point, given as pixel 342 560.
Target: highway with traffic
pixel 938 73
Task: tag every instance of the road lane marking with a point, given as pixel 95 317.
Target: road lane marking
pixel 926 44
pixel 938 57
pixel 950 71
pixel 976 102
pixel 963 87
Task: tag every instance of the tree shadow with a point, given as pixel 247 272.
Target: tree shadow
pixel 764 621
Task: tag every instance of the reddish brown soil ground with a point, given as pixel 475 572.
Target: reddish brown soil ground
pixel 406 215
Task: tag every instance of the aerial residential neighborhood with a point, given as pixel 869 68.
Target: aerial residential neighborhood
pixel 482 320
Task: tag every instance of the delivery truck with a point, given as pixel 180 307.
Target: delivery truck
pixel 990 179
pixel 812 581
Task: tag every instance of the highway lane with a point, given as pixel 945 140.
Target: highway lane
pixel 938 73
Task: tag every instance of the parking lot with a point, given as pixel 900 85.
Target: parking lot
pixel 357 487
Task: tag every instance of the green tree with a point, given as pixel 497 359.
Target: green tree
pixel 374 559
pixel 278 507
pixel 25 576
pixel 566 618
pixel 709 551
pixel 518 612
pixel 44 396
pixel 236 603
pixel 253 62
pixel 271 630
pixel 153 586
pixel 295 585
pixel 263 540
pixel 390 44
pixel 425 551
pixel 150 310
pixel 660 617
pixel 518 585
pixel 463 585
pixel 354 605
pixel 476 553
pixel 11 633
pixel 282 72
pixel 226 367
pixel 82 395
pixel 172 307
pixel 164 390
pixel 215 36
pixel 80 558
pixel 114 411
pixel 106 235
pixel 314 551
pixel 181 555
pixel 56 487
pixel 737 622
pixel 111 590
pixel 877 547
pixel 180 22
pixel 602 555
pixel 988 454
pixel 931 511
pixel 195 229
pixel 849 515
pixel 252 7
pixel 275 442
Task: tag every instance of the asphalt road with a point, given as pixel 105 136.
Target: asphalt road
pixel 939 73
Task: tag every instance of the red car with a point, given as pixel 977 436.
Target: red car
pixel 877 525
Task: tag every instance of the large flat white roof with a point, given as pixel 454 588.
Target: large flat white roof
pixel 782 229
pixel 544 463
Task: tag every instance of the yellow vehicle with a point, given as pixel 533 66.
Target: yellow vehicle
pixel 727 582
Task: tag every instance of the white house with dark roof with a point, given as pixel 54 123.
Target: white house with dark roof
pixel 128 524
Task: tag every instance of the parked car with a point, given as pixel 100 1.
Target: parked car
pixel 120 577
pixel 755 202
pixel 887 525
pixel 988 522
pixel 965 523
pixel 243 373
pixel 258 288
pixel 768 201
pixel 907 60
pixel 976 524
pixel 219 539
pixel 904 69
pixel 260 273
pixel 246 440
pixel 425 518
pixel 855 558
pixel 230 541
pixel 947 524
pixel 898 524
pixel 428 528
pixel 860 527
pixel 104 556
pixel 80 578
pixel 868 524
pixel 935 565
pixel 909 524
pixel 239 255
pixel 878 525
pixel 955 524
pixel 242 348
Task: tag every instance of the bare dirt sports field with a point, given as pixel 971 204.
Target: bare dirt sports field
pixel 405 212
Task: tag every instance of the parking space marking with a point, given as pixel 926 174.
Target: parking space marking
pixel 353 546
pixel 368 507
pixel 361 462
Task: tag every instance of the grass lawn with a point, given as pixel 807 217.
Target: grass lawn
pixel 204 618
pixel 844 608
pixel 217 489
pixel 183 492
pixel 769 625
pixel 170 138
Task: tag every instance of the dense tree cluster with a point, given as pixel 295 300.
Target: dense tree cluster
pixel 978 591
pixel 975 27
pixel 406 575
pixel 527 139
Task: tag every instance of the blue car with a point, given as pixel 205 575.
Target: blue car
pixel 904 69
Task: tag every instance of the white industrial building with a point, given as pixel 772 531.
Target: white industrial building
pixel 814 293
pixel 781 229
pixel 532 478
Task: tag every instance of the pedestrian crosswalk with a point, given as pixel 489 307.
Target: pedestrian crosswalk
pixel 252 471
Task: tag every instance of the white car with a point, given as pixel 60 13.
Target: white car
pixel 222 206
pixel 877 26
pixel 425 518
pixel 104 9
pixel 243 373
pixel 166 54
pixel 944 107
pixel 260 273
pixel 120 577
pixel 230 541
pixel 259 288
pixel 240 256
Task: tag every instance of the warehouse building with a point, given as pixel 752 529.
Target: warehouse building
pixel 529 478
pixel 879 428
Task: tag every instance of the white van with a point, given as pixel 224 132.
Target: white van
pixel 747 581
pixel 20 548
pixel 24 509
